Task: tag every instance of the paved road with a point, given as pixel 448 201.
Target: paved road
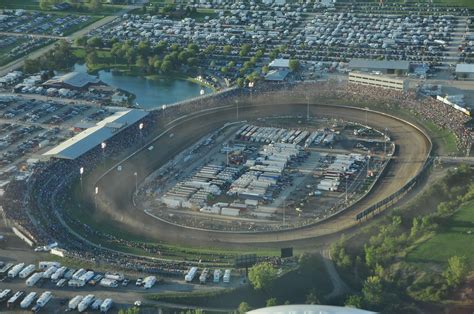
pixel 339 286
pixel 31 35
pixel 38 53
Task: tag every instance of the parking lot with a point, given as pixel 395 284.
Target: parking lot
pixel 29 127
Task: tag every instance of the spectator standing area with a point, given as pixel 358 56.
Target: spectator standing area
pixel 94 136
pixel 378 81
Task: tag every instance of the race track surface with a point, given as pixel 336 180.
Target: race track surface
pixel 413 148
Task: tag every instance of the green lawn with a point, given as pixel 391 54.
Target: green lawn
pixel 445 138
pixel 452 239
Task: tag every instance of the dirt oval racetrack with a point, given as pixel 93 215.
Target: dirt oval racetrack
pixel 413 148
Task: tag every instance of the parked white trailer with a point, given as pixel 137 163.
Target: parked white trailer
pixel 30 282
pixel 79 273
pixel 50 271
pixel 59 273
pixel 203 277
pixel 46 265
pixel 149 282
pixel 72 305
pixel 28 300
pixel 44 298
pixel 106 305
pixel 12 273
pixel 28 270
pixel 226 277
pixel 85 302
pixel 109 283
pixel 191 274
pixel 217 275
pixel 114 276
pixel 96 304
pixel 87 276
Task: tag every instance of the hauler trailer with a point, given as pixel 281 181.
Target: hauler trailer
pixel 30 282
pixel 96 304
pixel 15 298
pixel 217 275
pixel 49 272
pixel 26 302
pixel 72 305
pixel 28 270
pixel 226 278
pixel 44 298
pixel 58 274
pixel 114 276
pixel 46 265
pixel 203 277
pixel 5 294
pixel 191 274
pixel 5 268
pixel 79 273
pixel 106 305
pixel 85 302
pixel 108 283
pixel 149 282
pixel 12 273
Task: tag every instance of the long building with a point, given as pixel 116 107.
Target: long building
pixel 378 81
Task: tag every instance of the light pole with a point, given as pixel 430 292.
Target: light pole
pixel 95 196
pixel 163 108
pixel 251 86
pixel 140 127
pixel 103 145
pixel 136 182
pixel 368 164
pixel 81 172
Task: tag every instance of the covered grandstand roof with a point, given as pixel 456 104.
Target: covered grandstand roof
pixel 379 64
pixel 464 68
pixel 93 136
pixel 277 75
pixel 74 79
pixel 280 63
pixel 308 309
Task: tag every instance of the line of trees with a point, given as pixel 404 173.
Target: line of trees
pixel 59 58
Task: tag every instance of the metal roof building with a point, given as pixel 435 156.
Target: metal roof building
pixel 385 66
pixel 94 136
pixel 308 309
pixel 465 70
pixel 280 63
pixel 277 75
pixel 73 80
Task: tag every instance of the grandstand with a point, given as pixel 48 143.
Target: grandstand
pixel 94 136
pixel 378 81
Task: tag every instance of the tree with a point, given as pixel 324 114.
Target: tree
pixel 372 290
pixel 95 5
pixel 294 65
pixel 224 70
pixel 244 50
pixel 44 4
pixel 244 307
pixel 226 49
pixel 312 297
pixel 262 275
pixel 166 66
pixel 141 63
pixel 94 42
pixel 240 82
pixel 265 69
pixel 456 271
pixel 354 301
pixel 31 66
pixel 92 58
pixel 80 41
pixel 259 53
pixel 144 48
pixel 271 302
pixel 231 64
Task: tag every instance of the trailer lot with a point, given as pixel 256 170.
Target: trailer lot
pixel 259 177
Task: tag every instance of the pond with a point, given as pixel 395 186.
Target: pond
pixel 150 93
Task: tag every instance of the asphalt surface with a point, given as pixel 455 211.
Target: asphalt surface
pixel 117 187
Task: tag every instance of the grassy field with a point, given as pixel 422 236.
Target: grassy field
pixel 292 286
pixel 452 239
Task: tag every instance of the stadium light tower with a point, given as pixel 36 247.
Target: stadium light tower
pixel 140 127
pixel 103 145
pixel 95 196
pixel 251 84
pixel 136 182
pixel 81 172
